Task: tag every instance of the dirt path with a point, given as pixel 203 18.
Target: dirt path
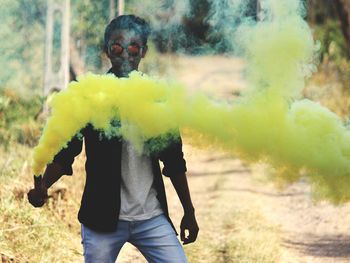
pixel 313 232
pixel 221 185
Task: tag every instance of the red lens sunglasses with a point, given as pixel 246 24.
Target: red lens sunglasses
pixel 117 49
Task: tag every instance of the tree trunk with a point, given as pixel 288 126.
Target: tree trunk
pixel 343 8
pixel 311 8
pixel 76 65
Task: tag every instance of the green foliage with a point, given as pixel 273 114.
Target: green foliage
pixel 17 119
pixel 333 52
pixel 23 39
pixel 22 43
pixel 88 20
pixel 332 40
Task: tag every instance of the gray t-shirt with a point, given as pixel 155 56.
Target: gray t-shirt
pixel 137 193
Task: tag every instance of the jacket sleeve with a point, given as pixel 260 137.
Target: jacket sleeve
pixel 173 159
pixel 66 156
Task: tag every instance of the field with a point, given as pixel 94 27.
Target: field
pixel 242 216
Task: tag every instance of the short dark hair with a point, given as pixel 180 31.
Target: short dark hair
pixel 129 22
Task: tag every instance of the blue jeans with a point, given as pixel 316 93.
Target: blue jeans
pixel 155 238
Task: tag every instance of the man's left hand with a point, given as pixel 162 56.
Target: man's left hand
pixel 189 223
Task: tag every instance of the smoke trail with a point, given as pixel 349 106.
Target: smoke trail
pixel 167 23
pixel 155 11
pixel 224 17
pixel 306 137
pixel 269 123
pixel 280 50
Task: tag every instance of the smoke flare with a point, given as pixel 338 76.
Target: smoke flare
pixel 268 123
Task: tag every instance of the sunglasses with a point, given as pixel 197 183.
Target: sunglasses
pixel 117 49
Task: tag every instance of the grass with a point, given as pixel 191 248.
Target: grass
pixel 229 233
pixel 49 234
pixel 19 118
pixel 327 89
pixel 241 236
pixel 232 230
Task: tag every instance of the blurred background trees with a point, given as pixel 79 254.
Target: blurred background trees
pixel 330 22
pixel 194 27
pixel 343 9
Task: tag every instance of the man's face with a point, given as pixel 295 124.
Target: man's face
pixel 125 49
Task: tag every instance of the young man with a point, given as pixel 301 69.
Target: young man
pixel 124 197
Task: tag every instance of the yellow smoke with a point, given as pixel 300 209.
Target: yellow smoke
pixel 268 123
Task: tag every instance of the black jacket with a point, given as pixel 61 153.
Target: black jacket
pixel 100 204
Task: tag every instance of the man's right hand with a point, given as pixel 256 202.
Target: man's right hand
pixel 38 195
